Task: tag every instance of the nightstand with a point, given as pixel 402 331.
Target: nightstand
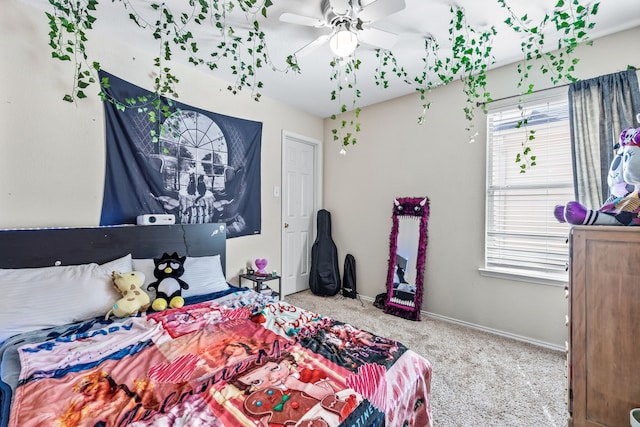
pixel 258 282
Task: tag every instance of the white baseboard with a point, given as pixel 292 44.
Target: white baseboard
pixel 538 343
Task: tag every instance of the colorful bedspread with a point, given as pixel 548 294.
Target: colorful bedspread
pixel 242 360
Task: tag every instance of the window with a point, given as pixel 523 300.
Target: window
pixel 523 238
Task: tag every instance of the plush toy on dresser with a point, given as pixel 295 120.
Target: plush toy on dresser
pixel 623 206
pixel 134 299
pixel 169 285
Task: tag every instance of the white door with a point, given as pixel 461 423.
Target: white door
pixel 300 190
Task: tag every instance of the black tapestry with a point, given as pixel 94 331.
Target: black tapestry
pixel 198 165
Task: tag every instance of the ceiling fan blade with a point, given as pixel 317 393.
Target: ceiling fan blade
pixel 378 9
pixel 379 38
pixel 305 50
pixel 308 21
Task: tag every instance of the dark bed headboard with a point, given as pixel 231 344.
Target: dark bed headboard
pixel 68 246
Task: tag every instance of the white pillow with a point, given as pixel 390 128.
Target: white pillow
pixel 121 265
pixel 36 298
pixel 203 274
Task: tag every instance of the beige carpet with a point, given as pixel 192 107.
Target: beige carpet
pixel 479 379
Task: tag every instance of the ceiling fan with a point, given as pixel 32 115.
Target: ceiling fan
pixel 350 22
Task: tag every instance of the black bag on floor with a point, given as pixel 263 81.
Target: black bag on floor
pixel 349 277
pixel 324 276
pixel 380 301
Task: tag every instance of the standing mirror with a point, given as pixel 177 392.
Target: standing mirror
pixel 407 249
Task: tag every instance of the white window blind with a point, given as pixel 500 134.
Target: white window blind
pixel 522 235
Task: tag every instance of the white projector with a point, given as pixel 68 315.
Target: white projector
pixel 156 219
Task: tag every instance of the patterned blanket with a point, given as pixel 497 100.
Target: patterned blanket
pixel 240 360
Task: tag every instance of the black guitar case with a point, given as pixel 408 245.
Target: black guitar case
pixel 349 277
pixel 324 277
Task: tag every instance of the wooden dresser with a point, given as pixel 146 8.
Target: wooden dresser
pixel 604 327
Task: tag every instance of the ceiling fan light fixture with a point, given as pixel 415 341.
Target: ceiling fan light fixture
pixel 343 41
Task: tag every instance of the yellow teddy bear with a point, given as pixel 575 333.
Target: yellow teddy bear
pixel 134 299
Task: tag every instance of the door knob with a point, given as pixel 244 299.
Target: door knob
pixel 286 225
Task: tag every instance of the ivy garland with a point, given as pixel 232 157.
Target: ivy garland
pixel 423 84
pixel 344 70
pixel 246 51
pixel 471 59
pixel 433 66
pixel 573 19
pixel 67 36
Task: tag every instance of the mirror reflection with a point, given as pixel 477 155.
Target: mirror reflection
pixel 405 276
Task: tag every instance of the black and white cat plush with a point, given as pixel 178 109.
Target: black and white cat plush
pixel 168 286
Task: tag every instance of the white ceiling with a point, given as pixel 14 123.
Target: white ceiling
pixel 310 90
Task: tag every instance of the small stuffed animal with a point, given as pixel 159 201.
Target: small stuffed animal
pixel 169 286
pixel 134 299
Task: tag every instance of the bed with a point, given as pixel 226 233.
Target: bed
pixel 229 357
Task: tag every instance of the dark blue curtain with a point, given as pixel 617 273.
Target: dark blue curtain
pixel 599 109
pixel 195 164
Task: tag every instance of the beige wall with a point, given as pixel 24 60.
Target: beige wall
pixel 395 157
pixel 53 153
pixel 52 169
